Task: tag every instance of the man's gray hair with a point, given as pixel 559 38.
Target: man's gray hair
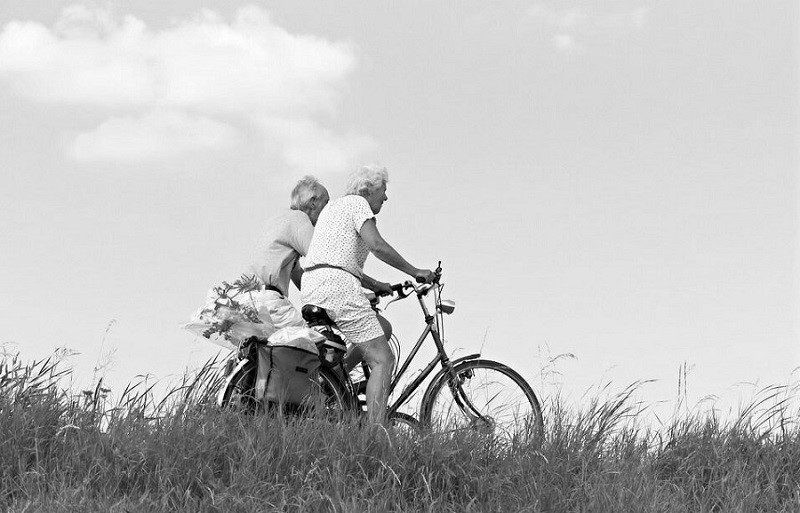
pixel 305 192
pixel 366 180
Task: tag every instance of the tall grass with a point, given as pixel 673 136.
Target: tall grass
pixel 61 453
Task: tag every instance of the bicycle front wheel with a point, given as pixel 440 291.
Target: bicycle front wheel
pixel 487 397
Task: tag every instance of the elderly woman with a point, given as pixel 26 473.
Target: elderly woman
pixel 346 232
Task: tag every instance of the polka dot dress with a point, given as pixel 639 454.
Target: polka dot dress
pixel 337 241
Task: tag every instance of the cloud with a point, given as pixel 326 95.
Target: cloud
pixel 204 75
pixel 570 28
pixel 154 135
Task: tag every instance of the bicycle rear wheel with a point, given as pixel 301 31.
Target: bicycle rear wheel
pixel 239 392
pixel 487 397
pixel 334 400
pixel 328 397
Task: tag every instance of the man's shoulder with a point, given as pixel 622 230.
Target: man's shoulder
pixel 286 224
pixel 290 217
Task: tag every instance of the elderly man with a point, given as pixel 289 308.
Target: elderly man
pixel 343 238
pixel 285 240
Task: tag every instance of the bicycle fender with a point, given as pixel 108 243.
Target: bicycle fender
pixel 439 375
pixel 228 378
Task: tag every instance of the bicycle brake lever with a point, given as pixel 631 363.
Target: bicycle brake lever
pixel 386 306
pixel 400 289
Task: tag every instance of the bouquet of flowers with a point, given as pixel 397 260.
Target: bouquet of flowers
pixel 230 315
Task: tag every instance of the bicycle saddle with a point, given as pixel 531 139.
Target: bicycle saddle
pixel 315 315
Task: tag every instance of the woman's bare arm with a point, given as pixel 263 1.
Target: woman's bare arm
pixel 386 253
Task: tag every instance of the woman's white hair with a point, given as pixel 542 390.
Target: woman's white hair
pixel 366 180
pixel 307 190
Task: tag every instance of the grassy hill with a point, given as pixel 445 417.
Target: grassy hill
pixel 64 454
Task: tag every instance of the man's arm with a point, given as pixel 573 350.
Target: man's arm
pixel 302 233
pixel 296 274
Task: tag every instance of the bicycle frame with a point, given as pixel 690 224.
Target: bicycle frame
pixel 433 328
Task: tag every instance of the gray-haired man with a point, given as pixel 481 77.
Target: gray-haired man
pixel 285 239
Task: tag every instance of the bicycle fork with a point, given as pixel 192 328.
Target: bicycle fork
pixel 476 419
pixel 454 381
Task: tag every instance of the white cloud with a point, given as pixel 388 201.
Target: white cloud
pixel 191 74
pixel 156 134
pixel 570 27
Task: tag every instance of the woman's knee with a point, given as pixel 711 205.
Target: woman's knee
pixel 386 325
pixel 377 352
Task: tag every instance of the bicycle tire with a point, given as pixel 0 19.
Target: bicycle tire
pixel 505 403
pixel 337 401
pixel 404 422
pixel 239 391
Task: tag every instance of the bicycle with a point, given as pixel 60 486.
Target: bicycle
pixel 466 393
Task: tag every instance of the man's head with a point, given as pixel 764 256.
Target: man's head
pixel 309 196
pixel 369 182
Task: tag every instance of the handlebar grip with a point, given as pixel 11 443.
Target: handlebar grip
pixel 397 287
pixel 435 279
pixel 436 275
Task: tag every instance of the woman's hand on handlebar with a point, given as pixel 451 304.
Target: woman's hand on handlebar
pixel 383 289
pixel 424 276
pixel 397 288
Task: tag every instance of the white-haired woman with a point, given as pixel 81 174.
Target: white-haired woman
pixel 346 232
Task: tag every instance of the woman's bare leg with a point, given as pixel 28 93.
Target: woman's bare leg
pixel 379 357
pixel 355 356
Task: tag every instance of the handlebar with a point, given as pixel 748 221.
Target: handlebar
pixel 403 289
pixel 398 288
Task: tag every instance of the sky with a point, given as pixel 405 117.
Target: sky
pixel 614 181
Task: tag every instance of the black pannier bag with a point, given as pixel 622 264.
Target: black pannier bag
pixel 288 368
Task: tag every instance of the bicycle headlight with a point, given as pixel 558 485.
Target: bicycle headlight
pixel 447 306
